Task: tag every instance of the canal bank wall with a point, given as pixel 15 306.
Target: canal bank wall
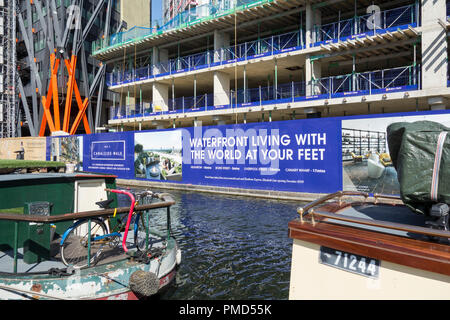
pixel 264 194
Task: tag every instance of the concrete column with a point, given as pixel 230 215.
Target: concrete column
pixel 160 96
pixel 312 68
pixel 221 79
pixel 128 103
pixel 221 40
pixel 434 44
pixel 313 71
pixel 434 50
pixel 221 88
pixel 159 55
pixel 197 123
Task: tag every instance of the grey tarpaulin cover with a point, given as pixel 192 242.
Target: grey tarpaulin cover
pixel 420 152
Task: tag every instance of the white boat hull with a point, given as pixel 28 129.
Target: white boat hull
pixel 312 280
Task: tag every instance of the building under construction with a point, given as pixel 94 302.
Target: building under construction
pixel 9 111
pixel 249 61
pixel 216 62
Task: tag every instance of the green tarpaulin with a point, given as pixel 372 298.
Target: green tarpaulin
pixel 420 152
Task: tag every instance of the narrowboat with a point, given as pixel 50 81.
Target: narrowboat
pixel 352 246
pixel 48 227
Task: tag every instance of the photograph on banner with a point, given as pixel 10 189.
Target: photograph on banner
pixel 67 149
pixel 157 155
pixel 366 162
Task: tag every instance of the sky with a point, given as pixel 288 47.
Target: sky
pixel 156 9
pixel 159 140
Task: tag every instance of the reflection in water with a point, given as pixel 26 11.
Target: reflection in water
pixel 232 247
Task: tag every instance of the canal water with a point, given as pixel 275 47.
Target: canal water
pixel 232 247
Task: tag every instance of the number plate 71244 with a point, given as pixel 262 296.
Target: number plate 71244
pixel 351 262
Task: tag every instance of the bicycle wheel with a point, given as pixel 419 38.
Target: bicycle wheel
pixel 140 233
pixel 74 249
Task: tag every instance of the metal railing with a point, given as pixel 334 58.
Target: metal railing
pixel 393 18
pixel 166 202
pixel 370 82
pixel 362 83
pixel 366 24
pixel 244 51
pixel 285 92
pixel 397 17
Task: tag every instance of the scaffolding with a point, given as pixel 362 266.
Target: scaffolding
pixel 9 112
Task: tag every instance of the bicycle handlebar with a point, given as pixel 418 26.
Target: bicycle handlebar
pixel 133 201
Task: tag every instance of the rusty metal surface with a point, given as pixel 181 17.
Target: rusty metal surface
pixel 107 280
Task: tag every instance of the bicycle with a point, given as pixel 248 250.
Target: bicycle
pixel 74 244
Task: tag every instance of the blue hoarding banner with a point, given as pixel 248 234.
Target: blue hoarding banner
pixel 109 153
pixel 310 155
pixel 295 155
